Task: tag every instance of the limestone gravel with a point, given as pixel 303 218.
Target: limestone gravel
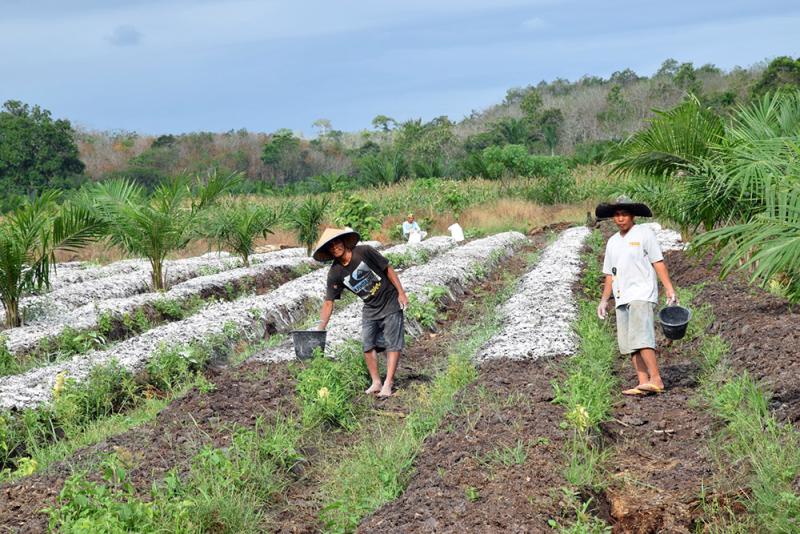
pixel 538 317
pixel 247 317
pixel 25 339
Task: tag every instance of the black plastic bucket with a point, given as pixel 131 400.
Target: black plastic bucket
pixel 305 341
pixel 674 320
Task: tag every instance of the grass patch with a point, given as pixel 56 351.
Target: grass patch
pixel 222 492
pixel 109 390
pixel 756 451
pixel 586 392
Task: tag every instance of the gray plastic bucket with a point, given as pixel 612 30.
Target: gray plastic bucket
pixel 674 320
pixel 305 341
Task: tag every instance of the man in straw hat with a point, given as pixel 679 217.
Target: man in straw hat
pixel 366 272
pixel 632 262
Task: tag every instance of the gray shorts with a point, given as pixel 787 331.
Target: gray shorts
pixel 635 328
pixel 384 334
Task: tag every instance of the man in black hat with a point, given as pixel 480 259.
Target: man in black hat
pixel 632 262
pixel 366 272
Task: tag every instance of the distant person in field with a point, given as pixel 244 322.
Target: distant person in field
pixel 410 227
pixel 364 271
pixel 632 262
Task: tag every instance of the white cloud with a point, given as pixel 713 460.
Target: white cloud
pixel 125 35
pixel 534 23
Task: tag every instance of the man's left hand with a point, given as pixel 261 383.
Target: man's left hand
pixel 672 298
pixel 402 298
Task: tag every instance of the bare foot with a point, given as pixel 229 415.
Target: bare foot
pixel 374 388
pixel 386 390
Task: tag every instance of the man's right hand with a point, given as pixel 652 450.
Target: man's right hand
pixel 602 309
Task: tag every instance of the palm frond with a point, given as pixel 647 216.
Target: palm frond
pixel 674 140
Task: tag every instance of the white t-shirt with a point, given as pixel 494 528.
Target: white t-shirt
pixel 629 260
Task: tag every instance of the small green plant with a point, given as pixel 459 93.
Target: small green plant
pixel 170 309
pixel 507 455
pixel 105 323
pixel 8 363
pixel 424 313
pixel 136 323
pixel 172 366
pixel 583 522
pixel 325 387
pixel 108 389
pixel 472 494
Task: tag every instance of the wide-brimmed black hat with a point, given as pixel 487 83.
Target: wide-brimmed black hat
pixel 350 238
pixel 607 210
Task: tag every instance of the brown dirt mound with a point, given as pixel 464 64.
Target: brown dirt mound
pixel 459 488
pixel 763 330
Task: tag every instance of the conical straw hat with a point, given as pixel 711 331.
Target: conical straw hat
pixel 350 238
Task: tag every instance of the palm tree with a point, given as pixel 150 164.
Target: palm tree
pixel 235 225
pixel 29 238
pixel 306 220
pixel 155 225
pixel 675 141
pixel 768 244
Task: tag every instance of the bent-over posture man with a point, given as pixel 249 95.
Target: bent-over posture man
pixel 632 262
pixel 366 272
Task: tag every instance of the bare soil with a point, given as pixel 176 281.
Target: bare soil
pixel 459 487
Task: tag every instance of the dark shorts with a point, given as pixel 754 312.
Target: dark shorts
pixel 384 334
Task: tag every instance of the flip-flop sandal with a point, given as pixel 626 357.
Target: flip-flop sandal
pixel 650 388
pixel 634 392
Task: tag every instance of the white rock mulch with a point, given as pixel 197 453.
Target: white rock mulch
pixel 58 302
pixel 455 270
pixel 668 239
pixel 538 318
pixel 25 339
pixel 248 317
pixel 66 274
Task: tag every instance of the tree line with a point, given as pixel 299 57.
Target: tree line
pixel 580 121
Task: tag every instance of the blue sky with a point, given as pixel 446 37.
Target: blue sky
pixel 173 66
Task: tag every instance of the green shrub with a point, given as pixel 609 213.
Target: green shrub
pixel 8 363
pixel 359 215
pixel 559 188
pixel 137 323
pixel 108 389
pixel 325 387
pixel 170 309
pixel 175 365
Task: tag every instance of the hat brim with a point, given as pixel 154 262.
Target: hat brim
pixel 606 211
pixel 350 240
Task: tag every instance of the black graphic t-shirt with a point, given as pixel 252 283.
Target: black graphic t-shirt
pixel 365 276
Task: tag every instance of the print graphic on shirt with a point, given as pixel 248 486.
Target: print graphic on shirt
pixel 364 282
